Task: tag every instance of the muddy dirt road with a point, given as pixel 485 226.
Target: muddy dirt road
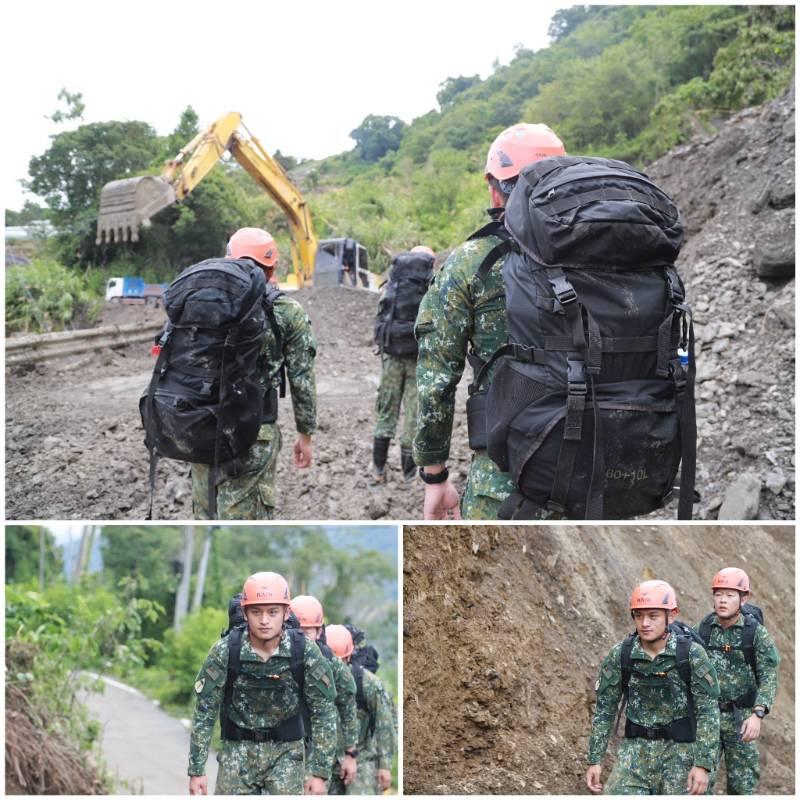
pixel 523 618
pixel 144 748
pixel 74 441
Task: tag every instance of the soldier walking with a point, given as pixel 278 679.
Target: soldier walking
pixel 671 689
pixel 746 661
pixel 258 686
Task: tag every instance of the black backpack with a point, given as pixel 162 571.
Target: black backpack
pixel 364 655
pixel 206 400
pixel 753 616
pixel 361 701
pixel 409 277
pixel 680 730
pixel 590 409
pixel 292 729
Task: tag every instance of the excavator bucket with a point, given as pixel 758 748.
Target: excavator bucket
pixel 129 203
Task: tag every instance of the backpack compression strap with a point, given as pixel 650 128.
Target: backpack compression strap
pixel 361 700
pixel 271 295
pixel 158 371
pixel 493 228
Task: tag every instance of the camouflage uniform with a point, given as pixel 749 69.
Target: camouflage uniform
pixel 736 679
pixel 251 495
pixel 459 309
pixel 347 717
pixel 398 386
pixel 658 766
pixel 265 694
pixel 374 751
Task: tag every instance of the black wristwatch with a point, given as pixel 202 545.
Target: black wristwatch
pixel 353 753
pixel 760 712
pixel 439 477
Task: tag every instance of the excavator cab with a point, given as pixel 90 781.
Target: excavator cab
pixel 342 262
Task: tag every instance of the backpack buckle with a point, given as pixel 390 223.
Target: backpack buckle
pixel 576 378
pixel 564 291
pixel 726 648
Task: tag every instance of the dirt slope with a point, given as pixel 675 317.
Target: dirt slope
pixel 505 629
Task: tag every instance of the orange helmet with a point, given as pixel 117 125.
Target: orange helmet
pixel 339 640
pixel 421 248
pixel 518 146
pixel 308 610
pixel 254 243
pixel 265 588
pixel 731 578
pixel 654 594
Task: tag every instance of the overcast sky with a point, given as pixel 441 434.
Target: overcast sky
pixel 303 74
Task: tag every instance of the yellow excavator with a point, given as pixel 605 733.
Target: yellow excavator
pixel 126 205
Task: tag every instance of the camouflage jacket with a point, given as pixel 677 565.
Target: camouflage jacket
pixel 735 675
pixel 347 724
pixel 459 309
pixel 660 701
pixel 299 351
pixel 265 694
pixel 381 745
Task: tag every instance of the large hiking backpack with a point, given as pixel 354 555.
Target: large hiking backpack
pixel 753 616
pixel 680 730
pixel 291 729
pixel 590 409
pixel 206 400
pixel 409 277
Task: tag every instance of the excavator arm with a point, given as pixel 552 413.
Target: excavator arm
pixel 127 204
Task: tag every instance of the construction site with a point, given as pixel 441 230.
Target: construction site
pixel 505 629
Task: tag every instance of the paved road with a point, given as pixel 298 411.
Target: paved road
pixel 144 747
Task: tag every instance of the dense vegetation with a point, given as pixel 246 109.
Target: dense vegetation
pixel 121 619
pixel 624 81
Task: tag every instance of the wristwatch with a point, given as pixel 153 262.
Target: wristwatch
pixel 352 752
pixel 760 712
pixel 439 477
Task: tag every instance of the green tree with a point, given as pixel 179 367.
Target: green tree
pixel 450 88
pixel 30 212
pixel 22 554
pixel 74 107
pixel 376 136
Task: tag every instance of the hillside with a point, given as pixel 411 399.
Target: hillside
pixel 505 629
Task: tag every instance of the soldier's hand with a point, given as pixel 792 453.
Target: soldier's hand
pixel 198 784
pixel 593 779
pixel 441 501
pixel 697 782
pixel 302 451
pixel 384 779
pixel 349 770
pixel 315 785
pixel 751 729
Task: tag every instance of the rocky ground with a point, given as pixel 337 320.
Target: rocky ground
pixel 505 628
pixel 74 440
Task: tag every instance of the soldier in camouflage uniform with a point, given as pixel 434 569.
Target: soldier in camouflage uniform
pixel 461 311
pixel 746 694
pixel 398 386
pixel 650 760
pixel 309 613
pixel 264 751
pixel 377 724
pixel 251 495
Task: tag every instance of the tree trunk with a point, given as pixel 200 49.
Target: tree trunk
pixel 41 558
pixel 202 569
pixel 87 533
pixel 182 596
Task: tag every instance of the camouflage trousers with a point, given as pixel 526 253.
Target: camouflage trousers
pixel 650 767
pixel 366 781
pixel 398 387
pixel 249 496
pixel 741 759
pixel 260 768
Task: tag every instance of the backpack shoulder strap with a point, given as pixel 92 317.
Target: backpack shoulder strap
pixel 234 668
pixel 748 640
pixel 704 631
pixel 626 662
pixel 297 641
pixel 493 228
pixel 358 676
pixel 682 647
